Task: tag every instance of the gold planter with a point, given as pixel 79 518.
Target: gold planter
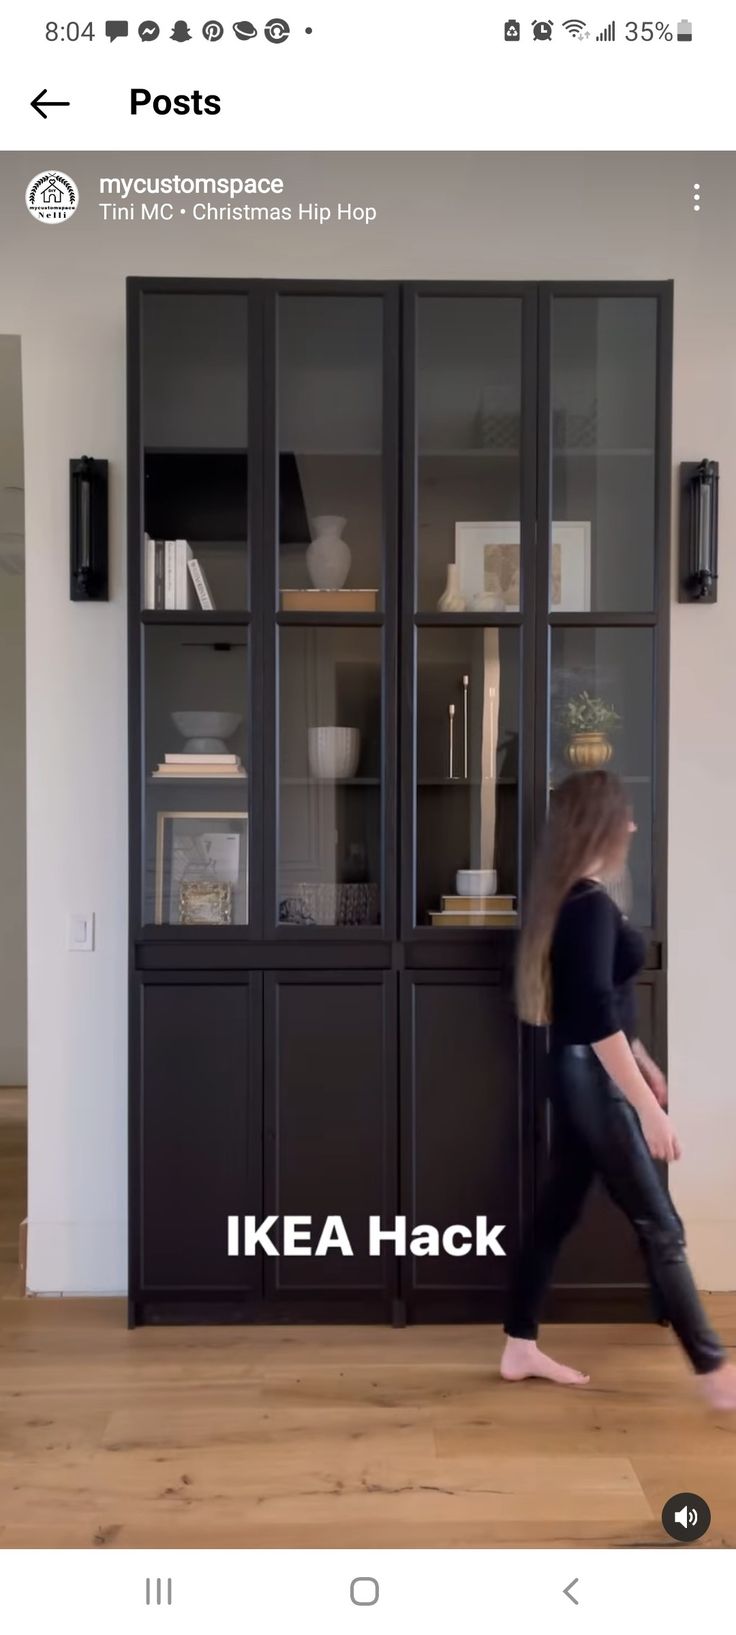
pixel 588 750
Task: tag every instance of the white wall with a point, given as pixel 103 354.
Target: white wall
pixel 455 216
pixel 13 1027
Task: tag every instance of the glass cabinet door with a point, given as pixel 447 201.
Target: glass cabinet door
pixel 331 524
pixel 330 817
pixel 196 776
pixel 602 715
pixel 604 525
pixel 468 609
pixel 194 402
pixel 604 410
pixel 467 777
pixel 468 430
pixel 336 554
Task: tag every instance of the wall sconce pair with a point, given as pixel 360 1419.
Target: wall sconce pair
pixel 88 531
pixel 699 531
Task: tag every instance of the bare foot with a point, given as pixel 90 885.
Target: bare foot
pixel 719 1388
pixel 522 1360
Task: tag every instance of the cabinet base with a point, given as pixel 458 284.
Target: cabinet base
pixel 627 1304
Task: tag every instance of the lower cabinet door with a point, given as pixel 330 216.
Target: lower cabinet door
pixel 600 1265
pixel 199 1134
pixel 331 1128
pixel 460 1137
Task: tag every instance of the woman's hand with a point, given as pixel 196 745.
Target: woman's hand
pixel 659 1134
pixel 651 1072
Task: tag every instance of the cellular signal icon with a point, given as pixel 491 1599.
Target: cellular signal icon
pixel 607 34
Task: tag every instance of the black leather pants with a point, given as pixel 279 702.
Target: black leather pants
pixel 597 1132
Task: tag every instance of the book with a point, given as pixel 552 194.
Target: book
pixel 200 585
pixel 149 571
pixel 200 766
pixel 208 772
pixel 486 921
pixel 475 905
pixel 329 601
pixel 210 760
pixel 183 552
pixel 170 602
pixel 158 574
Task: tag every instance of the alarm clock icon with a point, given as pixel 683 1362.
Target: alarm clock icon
pixel 542 31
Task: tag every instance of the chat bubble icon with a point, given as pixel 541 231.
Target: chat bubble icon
pixel 116 30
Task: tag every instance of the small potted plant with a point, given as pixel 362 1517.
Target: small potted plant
pixel 588 721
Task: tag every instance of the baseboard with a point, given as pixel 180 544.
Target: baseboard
pixel 23 1252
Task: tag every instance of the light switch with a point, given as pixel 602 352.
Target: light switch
pixel 80 933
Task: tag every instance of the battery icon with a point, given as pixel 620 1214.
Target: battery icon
pixel 684 30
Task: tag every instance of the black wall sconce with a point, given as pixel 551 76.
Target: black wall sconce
pixel 88 544
pixel 699 532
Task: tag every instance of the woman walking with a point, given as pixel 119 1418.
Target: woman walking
pixel 578 958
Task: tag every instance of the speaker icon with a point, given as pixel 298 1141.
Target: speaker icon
pixel 686 1517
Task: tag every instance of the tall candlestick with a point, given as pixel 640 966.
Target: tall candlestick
pixel 466 684
pixel 451 712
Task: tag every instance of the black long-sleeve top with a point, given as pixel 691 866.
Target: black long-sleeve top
pixel 595 956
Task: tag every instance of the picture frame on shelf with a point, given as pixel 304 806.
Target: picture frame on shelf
pixel 207 851
pixel 488 555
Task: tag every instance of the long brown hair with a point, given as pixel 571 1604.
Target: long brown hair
pixel 588 822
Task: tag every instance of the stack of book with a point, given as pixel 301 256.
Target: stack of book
pixel 200 766
pixel 329 601
pixel 171 576
pixel 487 912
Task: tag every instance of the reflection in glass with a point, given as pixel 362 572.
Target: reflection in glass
pixel 468 384
pixel 330 398
pixel 329 844
pixel 195 777
pixel 195 451
pixel 601 715
pixel 467 771
pixel 604 382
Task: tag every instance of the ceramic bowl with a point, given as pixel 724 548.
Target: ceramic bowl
pixel 476 882
pixel 206 731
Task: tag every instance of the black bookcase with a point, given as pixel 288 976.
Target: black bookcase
pixel 425 522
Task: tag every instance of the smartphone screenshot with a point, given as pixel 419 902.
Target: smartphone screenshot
pixel 367 775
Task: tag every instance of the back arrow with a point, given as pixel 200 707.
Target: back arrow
pixel 39 105
pixel 571 1586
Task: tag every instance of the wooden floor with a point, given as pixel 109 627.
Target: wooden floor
pixel 338 1437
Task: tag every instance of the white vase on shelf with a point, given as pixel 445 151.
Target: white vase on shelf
pixel 328 556
pixel 452 599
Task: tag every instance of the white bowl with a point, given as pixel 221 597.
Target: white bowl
pixel 334 752
pixel 476 882
pixel 206 730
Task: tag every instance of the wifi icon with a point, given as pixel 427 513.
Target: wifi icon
pixel 575 27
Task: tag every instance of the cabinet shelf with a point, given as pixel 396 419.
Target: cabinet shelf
pixel 194 616
pixel 162 783
pixel 515 453
pixel 466 783
pixel 330 783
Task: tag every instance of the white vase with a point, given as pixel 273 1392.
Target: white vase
pixel 452 599
pixel 328 556
pixel 334 752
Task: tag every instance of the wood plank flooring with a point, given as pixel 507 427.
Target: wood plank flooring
pixel 337 1437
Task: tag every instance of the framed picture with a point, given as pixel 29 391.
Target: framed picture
pixel 488 555
pixel 201 868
